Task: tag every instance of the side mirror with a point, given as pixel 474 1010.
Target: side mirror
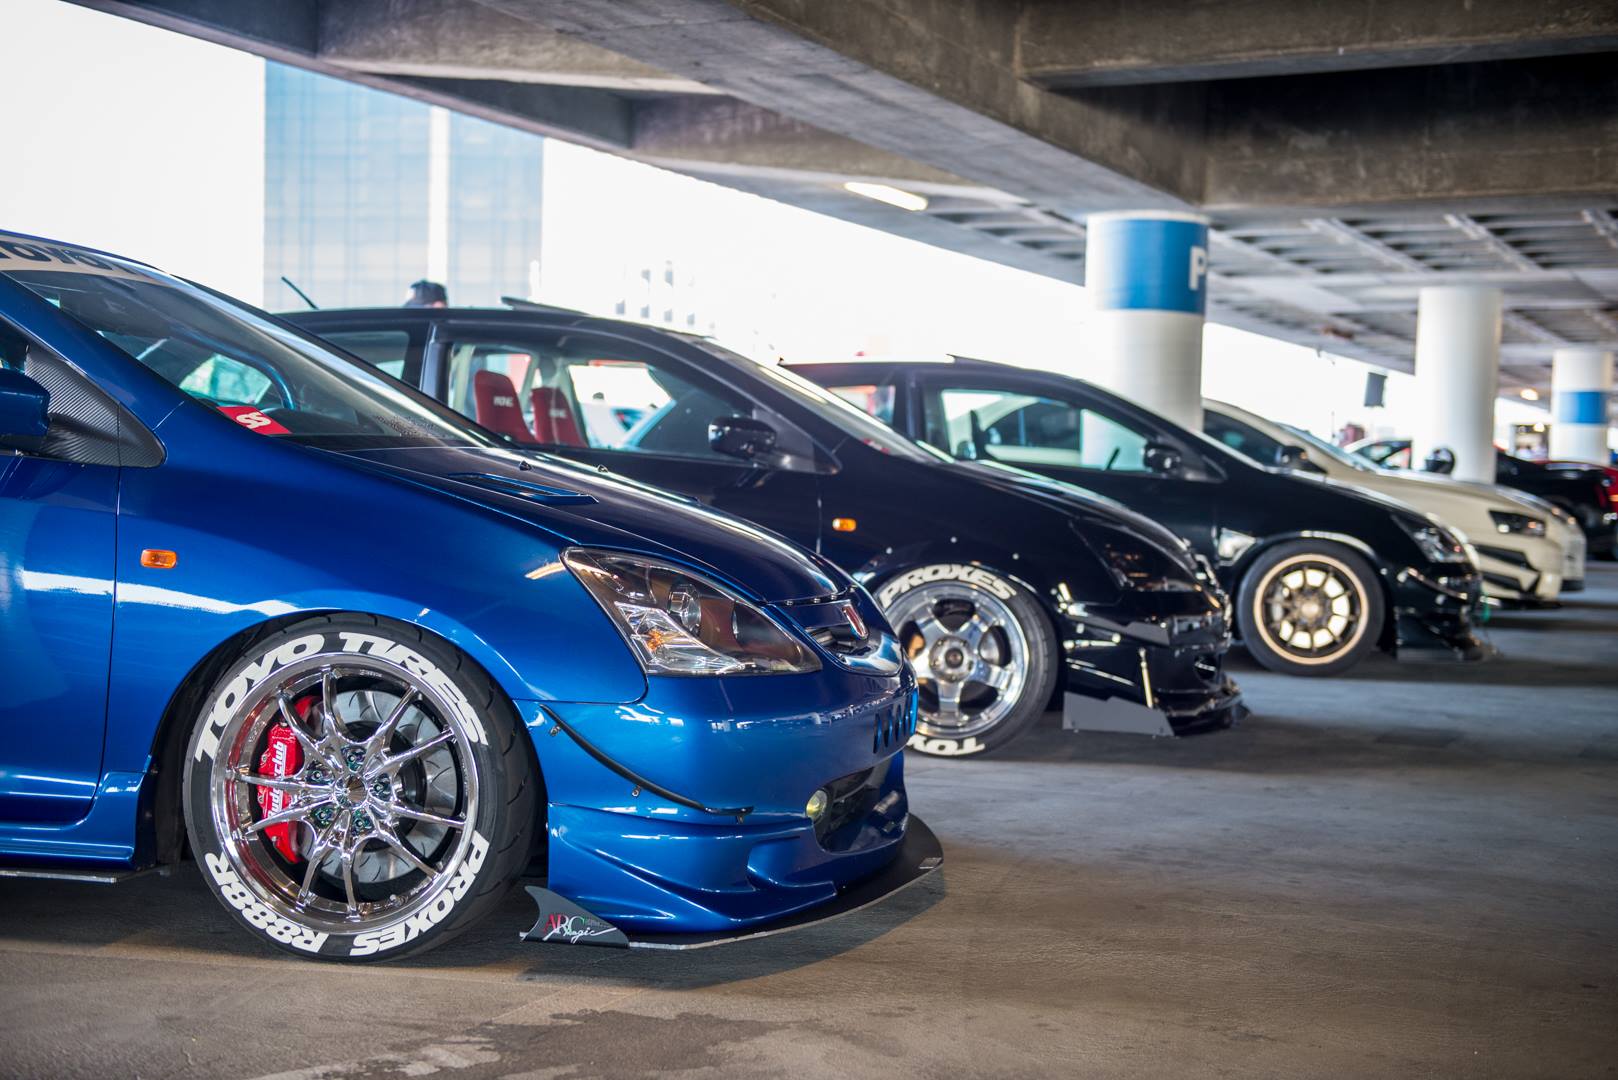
pixel 1297 458
pixel 24 412
pixel 741 437
pixel 1161 458
pixel 1441 460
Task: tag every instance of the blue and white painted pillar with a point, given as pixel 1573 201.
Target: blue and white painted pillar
pixel 1147 276
pixel 1581 383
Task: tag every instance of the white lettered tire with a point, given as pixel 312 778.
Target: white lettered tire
pixel 356 789
pixel 984 653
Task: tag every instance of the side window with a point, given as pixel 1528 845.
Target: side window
pixel 876 400
pixel 1028 429
pixel 388 351
pixel 86 426
pixel 1242 438
pixel 583 392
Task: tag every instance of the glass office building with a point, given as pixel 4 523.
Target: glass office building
pixel 366 192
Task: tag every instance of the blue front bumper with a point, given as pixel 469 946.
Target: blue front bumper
pixel 685 811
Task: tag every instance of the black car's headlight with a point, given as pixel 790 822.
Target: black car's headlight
pixel 1135 564
pixel 680 623
pixel 1521 524
pixel 1436 543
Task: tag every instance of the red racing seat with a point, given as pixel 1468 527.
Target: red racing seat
pixel 496 403
pixel 554 422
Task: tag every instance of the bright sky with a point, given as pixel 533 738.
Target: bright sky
pixel 151 144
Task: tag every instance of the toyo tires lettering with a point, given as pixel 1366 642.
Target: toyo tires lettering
pixel 241 898
pixel 945 747
pixel 419 666
pixel 970 575
pixel 437 911
pixel 250 676
pixel 310 644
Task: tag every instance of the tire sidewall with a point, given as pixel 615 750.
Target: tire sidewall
pixel 1263 568
pixel 414 931
pixel 1041 678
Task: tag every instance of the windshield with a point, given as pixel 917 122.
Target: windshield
pixel 1336 453
pixel 848 418
pixel 265 377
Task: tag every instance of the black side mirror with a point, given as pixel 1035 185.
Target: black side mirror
pixel 1441 460
pixel 24 412
pixel 1161 458
pixel 1297 458
pixel 741 437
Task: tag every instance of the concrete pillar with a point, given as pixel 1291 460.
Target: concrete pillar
pixel 1581 382
pixel 1147 274
pixel 1458 376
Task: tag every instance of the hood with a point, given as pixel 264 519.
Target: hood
pixel 577 504
pixel 1497 498
pixel 1076 501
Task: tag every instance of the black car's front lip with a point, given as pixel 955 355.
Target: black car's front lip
pixel 1159 676
pixel 1435 608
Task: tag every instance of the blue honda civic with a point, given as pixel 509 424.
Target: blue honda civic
pixel 370 666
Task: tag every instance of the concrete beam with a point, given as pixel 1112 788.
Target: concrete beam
pixel 1063 44
pixel 930 82
pixel 1469 135
pixel 460 39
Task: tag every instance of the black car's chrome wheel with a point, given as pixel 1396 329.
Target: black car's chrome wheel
pixel 346 798
pixel 981 649
pixel 1310 608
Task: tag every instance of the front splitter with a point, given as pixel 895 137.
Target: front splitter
pixel 562 922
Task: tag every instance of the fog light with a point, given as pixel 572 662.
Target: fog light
pixel 816 805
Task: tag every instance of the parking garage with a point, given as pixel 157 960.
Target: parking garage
pixel 1328 796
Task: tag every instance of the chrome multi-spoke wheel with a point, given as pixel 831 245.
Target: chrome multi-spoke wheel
pixel 979 648
pixel 345 797
pixel 1310 609
pixel 377 808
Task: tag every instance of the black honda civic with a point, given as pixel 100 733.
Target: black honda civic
pixel 1322 573
pixel 1008 589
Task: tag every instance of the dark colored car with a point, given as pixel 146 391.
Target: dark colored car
pixel 1588 492
pixel 1004 586
pixel 1322 572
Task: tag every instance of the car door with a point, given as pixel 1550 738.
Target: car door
pixel 639 411
pixel 1070 436
pixel 57 547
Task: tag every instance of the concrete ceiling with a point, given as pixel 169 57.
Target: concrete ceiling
pixel 1348 152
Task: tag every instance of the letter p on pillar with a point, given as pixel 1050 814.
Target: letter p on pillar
pixel 1199 267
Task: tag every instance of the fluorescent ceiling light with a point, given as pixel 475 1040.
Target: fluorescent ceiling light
pixel 1529 393
pixel 904 200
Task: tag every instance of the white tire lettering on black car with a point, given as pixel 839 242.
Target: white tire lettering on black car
pixel 969 575
pixel 945 747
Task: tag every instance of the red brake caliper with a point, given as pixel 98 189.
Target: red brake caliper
pixel 281 758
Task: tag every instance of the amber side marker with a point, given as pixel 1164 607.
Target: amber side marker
pixel 156 559
pixel 844 524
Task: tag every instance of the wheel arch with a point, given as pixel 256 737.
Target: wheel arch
pixel 160 829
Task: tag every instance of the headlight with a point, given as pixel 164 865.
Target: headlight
pixel 680 623
pixel 1437 543
pixel 1136 564
pixel 1522 524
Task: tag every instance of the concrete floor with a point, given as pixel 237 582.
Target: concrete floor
pixel 1410 871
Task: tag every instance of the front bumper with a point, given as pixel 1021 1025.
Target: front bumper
pixel 1437 608
pixel 1528 574
pixel 685 812
pixel 1159 676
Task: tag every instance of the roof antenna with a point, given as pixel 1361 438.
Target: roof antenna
pixel 301 294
